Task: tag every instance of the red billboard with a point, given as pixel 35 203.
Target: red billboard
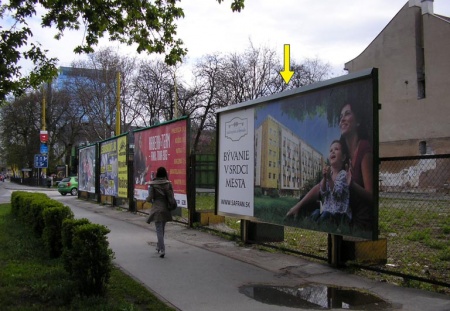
pixel 162 145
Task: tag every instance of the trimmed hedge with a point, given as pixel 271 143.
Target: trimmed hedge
pixel 21 202
pixel 91 258
pixel 67 236
pixel 53 221
pixel 84 246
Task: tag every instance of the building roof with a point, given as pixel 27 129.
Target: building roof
pixel 446 18
pixel 405 7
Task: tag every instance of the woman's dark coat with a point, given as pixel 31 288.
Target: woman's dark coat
pixel 157 195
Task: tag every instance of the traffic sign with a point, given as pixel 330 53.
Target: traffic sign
pixel 44 148
pixel 43 135
pixel 40 161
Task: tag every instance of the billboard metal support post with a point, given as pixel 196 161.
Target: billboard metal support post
pixel 244 230
pixel 191 190
pixel 334 249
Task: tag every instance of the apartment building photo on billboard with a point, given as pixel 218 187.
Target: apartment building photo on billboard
pixel 284 163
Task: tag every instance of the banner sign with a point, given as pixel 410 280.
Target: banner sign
pixel 86 169
pixel 109 168
pixel 61 172
pixel 122 167
pixel 305 158
pixel 163 145
pixel 236 162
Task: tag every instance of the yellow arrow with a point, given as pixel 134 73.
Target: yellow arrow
pixel 286 73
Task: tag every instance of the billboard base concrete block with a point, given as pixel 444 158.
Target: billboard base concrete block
pixel 106 199
pixel 208 217
pixel 367 252
pixel 143 205
pixel 264 232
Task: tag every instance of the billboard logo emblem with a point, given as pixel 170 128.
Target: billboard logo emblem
pixel 236 128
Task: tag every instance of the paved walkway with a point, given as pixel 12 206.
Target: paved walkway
pixel 205 272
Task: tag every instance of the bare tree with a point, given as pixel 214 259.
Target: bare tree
pixel 21 122
pixel 63 123
pixel 152 86
pixel 128 69
pixel 207 86
pixel 311 70
pixel 248 75
pixel 234 78
pixel 93 85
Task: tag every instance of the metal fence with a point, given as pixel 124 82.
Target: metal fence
pixel 205 171
pixel 414 219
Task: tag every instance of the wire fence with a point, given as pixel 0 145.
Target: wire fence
pixel 414 220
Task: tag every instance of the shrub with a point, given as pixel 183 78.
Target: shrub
pixel 53 219
pixel 68 227
pixel 22 201
pixel 16 198
pixel 91 259
pixel 21 205
pixel 35 216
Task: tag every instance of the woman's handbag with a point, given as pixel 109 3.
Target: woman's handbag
pixel 171 202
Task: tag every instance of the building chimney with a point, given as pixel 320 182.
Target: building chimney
pixel 414 3
pixel 427 6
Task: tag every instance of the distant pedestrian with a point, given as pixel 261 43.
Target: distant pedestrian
pixel 160 189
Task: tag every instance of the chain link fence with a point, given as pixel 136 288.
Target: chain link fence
pixel 414 219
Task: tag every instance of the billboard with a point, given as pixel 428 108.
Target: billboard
pixel 122 166
pixel 305 158
pixel 61 171
pixel 113 167
pixel 86 169
pixel 162 145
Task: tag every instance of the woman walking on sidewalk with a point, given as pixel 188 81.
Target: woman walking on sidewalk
pixel 160 189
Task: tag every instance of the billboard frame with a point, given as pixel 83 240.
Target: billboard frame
pixel 370 74
pixel 95 166
pixel 183 198
pixel 118 185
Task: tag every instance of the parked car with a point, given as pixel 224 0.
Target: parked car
pixel 68 185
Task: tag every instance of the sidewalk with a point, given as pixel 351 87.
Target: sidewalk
pixel 205 272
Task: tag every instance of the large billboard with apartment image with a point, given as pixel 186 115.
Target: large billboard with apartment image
pixel 306 158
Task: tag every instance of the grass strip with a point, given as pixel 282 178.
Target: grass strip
pixel 29 280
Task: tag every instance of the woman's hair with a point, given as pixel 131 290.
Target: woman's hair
pixel 161 172
pixel 361 118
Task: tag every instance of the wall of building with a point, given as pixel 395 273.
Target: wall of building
pixel 405 119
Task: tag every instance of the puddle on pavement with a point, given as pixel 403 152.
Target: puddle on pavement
pixel 314 297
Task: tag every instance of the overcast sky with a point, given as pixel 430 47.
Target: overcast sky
pixel 334 31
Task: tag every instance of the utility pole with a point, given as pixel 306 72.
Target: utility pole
pixel 176 95
pixel 118 104
pixel 43 135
